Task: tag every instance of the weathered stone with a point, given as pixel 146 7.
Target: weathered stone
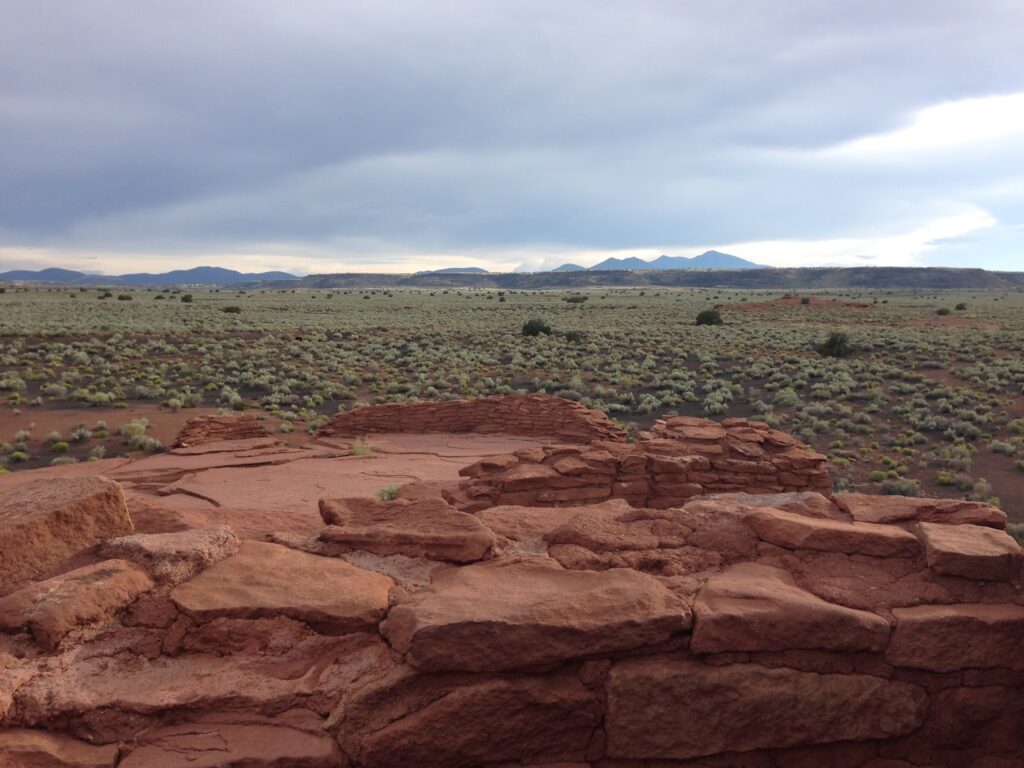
pixel 794 531
pixel 265 580
pixel 429 528
pixel 215 428
pixel 510 615
pixel 106 698
pixel 25 748
pixel 971 551
pixel 172 558
pixel 865 508
pixel 46 521
pixel 805 503
pixel 754 607
pixel 947 638
pixel 676 708
pixel 226 745
pixel 51 609
pixel 439 722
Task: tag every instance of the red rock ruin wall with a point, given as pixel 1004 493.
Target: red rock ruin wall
pixel 539 415
pixel 678 459
pixel 211 429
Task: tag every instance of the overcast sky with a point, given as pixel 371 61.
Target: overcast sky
pixel 325 136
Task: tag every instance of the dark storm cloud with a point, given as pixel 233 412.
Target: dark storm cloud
pixel 453 126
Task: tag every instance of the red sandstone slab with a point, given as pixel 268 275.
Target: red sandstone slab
pixel 26 748
pixel 513 615
pixel 44 522
pixel 970 551
pixel 51 609
pixel 793 531
pixel 948 638
pixel 429 528
pixel 752 607
pixel 666 708
pixel 224 745
pixel 866 508
pixel 463 721
pixel 805 503
pixel 266 580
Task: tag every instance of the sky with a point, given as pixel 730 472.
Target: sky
pixel 330 136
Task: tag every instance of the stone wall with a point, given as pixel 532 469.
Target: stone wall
pixel 200 430
pixel 679 458
pixel 735 630
pixel 539 415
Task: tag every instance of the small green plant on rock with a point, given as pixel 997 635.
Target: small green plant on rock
pixel 388 493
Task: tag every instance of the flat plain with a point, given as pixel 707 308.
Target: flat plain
pixel 929 402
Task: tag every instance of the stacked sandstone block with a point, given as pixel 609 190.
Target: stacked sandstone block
pixel 211 429
pixel 512 414
pixel 739 630
pixel 678 459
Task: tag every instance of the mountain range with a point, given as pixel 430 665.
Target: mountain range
pixel 194 276
pixel 707 260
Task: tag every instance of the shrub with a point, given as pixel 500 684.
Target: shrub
pixel 574 336
pixel 575 299
pixel 960 307
pixel 361 448
pixel 124 297
pixel 232 309
pixel 942 311
pixel 186 298
pixel 1017 531
pixel 836 345
pixel 536 328
pixel 388 493
pixel 898 486
pixel 805 300
pixel 59 447
pixel 709 317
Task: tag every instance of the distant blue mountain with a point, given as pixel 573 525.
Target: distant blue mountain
pixel 569 268
pixel 707 260
pixel 455 271
pixel 195 276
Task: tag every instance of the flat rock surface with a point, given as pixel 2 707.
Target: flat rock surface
pixel 676 709
pixel 429 528
pixel 805 503
pixel 752 607
pixel 51 609
pixel 947 638
pixel 47 521
pixel 794 531
pixel 127 686
pixel 508 615
pixel 265 580
pixel 26 748
pixel 225 745
pixel 866 508
pixel 465 723
pixel 971 551
pixel 172 558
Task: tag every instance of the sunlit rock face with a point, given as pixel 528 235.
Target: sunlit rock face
pixel 696 598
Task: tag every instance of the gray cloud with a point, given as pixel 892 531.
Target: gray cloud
pixel 344 129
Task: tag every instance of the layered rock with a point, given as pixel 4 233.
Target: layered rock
pixel 429 528
pixel 541 415
pixel 43 523
pixel 608 614
pixel 679 459
pixel 201 430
